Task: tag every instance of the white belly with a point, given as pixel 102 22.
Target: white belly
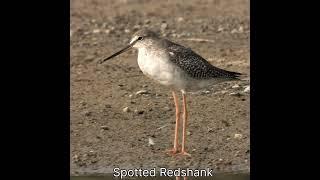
pixel 159 68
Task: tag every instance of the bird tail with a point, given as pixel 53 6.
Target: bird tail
pixel 238 76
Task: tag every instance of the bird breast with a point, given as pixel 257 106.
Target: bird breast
pixel 157 65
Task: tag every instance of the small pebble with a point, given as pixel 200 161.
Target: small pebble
pixel 164 26
pixel 240 29
pixel 205 92
pixel 75 157
pixel 189 133
pixel 247 89
pixel 147 21
pixel 180 19
pixel 220 29
pixel 126 109
pixel 92 153
pixel 94 161
pixel 235 94
pixel 104 25
pixel 104 127
pixel 162 127
pixel 127 30
pixel 142 92
pixel 82 103
pixel 96 31
pixel 237 136
pixel 223 92
pixel 138 111
pixel 151 142
pixel 107 106
pixel 236 86
pixel 136 27
pixel 167 108
pixel 130 95
pixel 226 123
pixel 89 58
pixel 87 113
pixel 237 153
pixel 234 31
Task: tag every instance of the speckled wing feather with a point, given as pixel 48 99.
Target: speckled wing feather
pixel 194 65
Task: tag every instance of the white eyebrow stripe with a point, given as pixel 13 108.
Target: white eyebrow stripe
pixel 133 39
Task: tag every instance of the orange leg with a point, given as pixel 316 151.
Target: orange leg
pixel 176 132
pixel 185 118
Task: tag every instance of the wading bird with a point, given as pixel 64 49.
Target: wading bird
pixel 178 68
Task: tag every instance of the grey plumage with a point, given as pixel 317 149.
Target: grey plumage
pixel 194 65
pixel 186 59
pixel 177 67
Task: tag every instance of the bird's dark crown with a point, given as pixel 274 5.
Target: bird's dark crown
pixel 145 33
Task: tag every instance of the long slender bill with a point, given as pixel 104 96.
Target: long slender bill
pixel 116 54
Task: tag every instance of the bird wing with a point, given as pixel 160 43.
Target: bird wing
pixel 194 65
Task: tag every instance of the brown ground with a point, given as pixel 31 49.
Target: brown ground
pixel 104 137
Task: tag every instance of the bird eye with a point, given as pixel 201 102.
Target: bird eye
pixel 140 38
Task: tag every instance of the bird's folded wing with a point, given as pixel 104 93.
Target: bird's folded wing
pixel 194 65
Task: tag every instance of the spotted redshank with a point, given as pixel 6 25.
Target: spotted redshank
pixel 177 67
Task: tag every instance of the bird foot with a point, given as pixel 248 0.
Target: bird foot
pixel 172 151
pixel 184 153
